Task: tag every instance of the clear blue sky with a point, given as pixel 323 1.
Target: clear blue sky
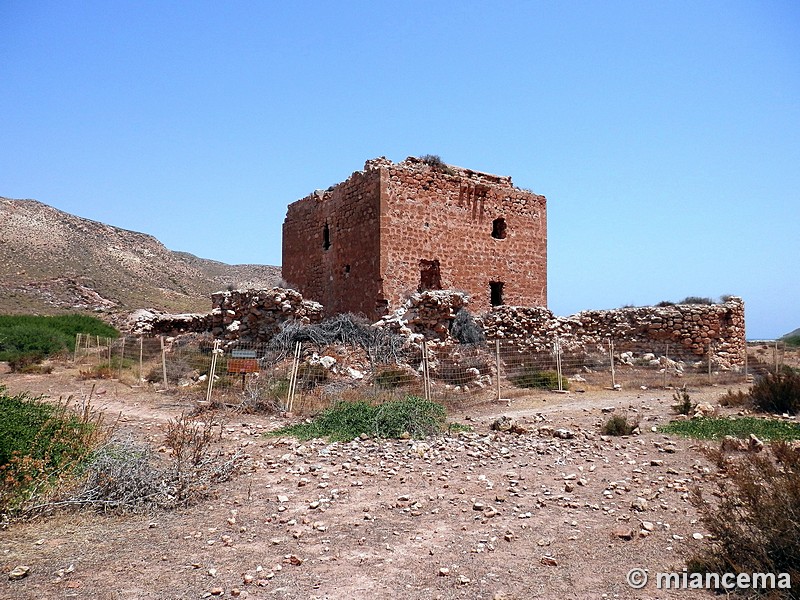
pixel 665 135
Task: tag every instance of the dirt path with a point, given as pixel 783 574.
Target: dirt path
pixel 476 515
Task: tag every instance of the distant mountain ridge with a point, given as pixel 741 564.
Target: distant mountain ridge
pixel 52 261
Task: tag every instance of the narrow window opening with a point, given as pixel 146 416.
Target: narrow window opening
pixel 326 237
pixel 347 268
pixel 499 228
pixel 430 276
pixel 496 293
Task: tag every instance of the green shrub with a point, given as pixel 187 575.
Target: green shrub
pixel 753 519
pixel 777 391
pixel 345 421
pixel 792 341
pixel 411 415
pixel 30 338
pixel 715 428
pixel 543 380
pixel 40 444
pixel 619 425
pixel 683 404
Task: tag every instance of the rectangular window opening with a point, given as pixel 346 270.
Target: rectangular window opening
pixel 430 276
pixel 496 293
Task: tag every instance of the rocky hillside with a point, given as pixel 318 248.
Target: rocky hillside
pixel 52 261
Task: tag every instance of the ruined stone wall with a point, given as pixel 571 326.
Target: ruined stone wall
pixel 256 315
pixel 331 250
pixel 252 315
pixel 367 244
pixel 445 217
pixel 688 329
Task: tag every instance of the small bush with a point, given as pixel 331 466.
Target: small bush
pixel 309 375
pixel 264 395
pixel 459 370
pixel 345 421
pixel 101 371
pixel 177 369
pixel 435 162
pixel 394 377
pixel 777 391
pixel 465 329
pixel 754 518
pixel 737 398
pixel 696 300
pixel 25 363
pixel 683 404
pixel 411 415
pixel 543 380
pixel 41 446
pixel 619 425
pixel 122 476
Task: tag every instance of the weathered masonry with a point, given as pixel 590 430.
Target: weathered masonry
pixel 368 243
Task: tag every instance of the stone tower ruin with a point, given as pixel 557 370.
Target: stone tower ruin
pixel 366 244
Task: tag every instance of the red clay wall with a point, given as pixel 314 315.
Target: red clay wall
pixel 384 221
pixel 345 276
pixel 433 215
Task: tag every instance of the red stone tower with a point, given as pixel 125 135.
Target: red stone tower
pixel 366 244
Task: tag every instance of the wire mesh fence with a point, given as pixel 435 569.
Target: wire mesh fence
pixel 306 375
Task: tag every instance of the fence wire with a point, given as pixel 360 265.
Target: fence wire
pixel 308 375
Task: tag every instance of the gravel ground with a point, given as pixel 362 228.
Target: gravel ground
pixel 554 511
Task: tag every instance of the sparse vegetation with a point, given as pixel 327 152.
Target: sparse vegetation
pixel 394 377
pixel 435 162
pixel 41 446
pixel 618 425
pixel 531 377
pixel 26 340
pixel 737 398
pixel 716 428
pixel 696 300
pixel 754 517
pixel 683 404
pixel 777 392
pixel 345 421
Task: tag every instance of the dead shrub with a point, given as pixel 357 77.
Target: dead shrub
pixel 620 425
pixel 195 464
pixel 777 392
pixel 737 398
pixel 123 476
pixel 754 518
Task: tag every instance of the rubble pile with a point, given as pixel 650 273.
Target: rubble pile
pixel 426 315
pixel 256 315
